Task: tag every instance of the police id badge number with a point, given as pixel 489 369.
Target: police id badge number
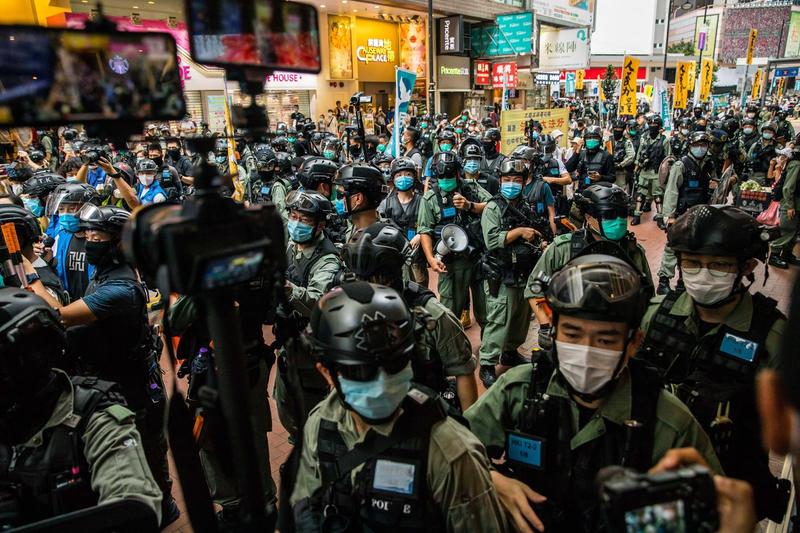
pixel 393 476
pixel 525 450
pixel 738 348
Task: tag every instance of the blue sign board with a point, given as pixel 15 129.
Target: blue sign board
pixel 786 72
pixel 569 85
pixel 510 35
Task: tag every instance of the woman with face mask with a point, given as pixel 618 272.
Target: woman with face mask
pixel 577 403
pixel 711 340
pixel 401 206
pixel 363 339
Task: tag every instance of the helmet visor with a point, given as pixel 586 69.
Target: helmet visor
pixel 513 166
pixel 297 200
pixel 573 285
pixel 59 199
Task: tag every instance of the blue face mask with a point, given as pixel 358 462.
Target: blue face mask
pixel 69 222
pixel 328 154
pixel 510 190
pixel 592 144
pixel 300 231
pixel 448 184
pixel 377 399
pixel 445 147
pixel 615 229
pixel 339 205
pixel 220 159
pixel 291 140
pixel 34 206
pixel 535 135
pixel 403 183
pixel 472 166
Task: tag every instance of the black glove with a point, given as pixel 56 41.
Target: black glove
pixel 546 337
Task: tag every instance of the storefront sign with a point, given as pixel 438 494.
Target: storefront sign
pixel 196 77
pixel 510 35
pixel 512 125
pixel 580 75
pixel 787 72
pixel 575 12
pixel 215 105
pixel 340 47
pixel 413 47
pixel 504 74
pixel 483 73
pixel 451 35
pixel 453 73
pixel 546 78
pixel 564 49
pixel 291 80
pixel 376 49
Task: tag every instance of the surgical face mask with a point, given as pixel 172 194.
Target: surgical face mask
pixel 684 132
pixel 381 148
pixel 632 132
pixel 146 179
pixel 377 399
pixel 767 135
pixel 69 222
pixel 615 229
pixel 339 205
pixel 423 125
pixel 708 289
pixel 459 131
pixel 471 166
pixel 220 159
pixel 592 144
pixel 300 231
pixel 72 179
pixel 448 184
pixel 586 368
pixel 510 189
pixel 291 140
pixel 534 135
pixel 747 131
pixel 96 251
pixel 445 147
pixel 403 183
pixel 34 205
pixel 751 115
pixel 328 154
pixel 698 152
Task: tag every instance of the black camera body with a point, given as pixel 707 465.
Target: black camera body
pixel 683 500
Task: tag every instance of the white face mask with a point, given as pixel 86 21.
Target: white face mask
pixel 707 289
pixel 586 368
pixel 145 179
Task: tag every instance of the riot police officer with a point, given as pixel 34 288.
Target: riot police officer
pixel 679 142
pixel 312 264
pixel 748 134
pixel 512 231
pixel 586 404
pixel 453 200
pixel 363 336
pixel 166 175
pixel 787 193
pixel 654 148
pixel 65 444
pixel 634 132
pixel 262 166
pixel 761 153
pixel 784 131
pixel 471 163
pixel 443 350
pixel 624 156
pixel 710 341
pixel 109 336
pixel 360 188
pixel 691 182
pixel 446 141
pixel 317 174
pixel 401 206
pixel 493 158
pixel 593 164
pixel 605 212
pixel 552 171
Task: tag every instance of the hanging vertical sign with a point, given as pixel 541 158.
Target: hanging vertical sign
pixel 779 86
pixel 580 74
pixel 483 73
pixel 627 92
pixel 404 85
pixel 681 85
pixel 751 45
pixel 706 79
pixel 569 84
pixel 692 75
pixel 756 94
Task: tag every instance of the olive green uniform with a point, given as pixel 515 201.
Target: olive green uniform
pixel 455 284
pixel 278 193
pixel 649 187
pixel 448 338
pixel 784 244
pixel 508 313
pixel 305 386
pixel 622 167
pixel 457 470
pixel 113 449
pixel 558 253
pixel 501 405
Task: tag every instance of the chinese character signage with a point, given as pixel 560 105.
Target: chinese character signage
pixel 564 49
pixel 512 125
pixel 580 75
pixel 569 84
pixel 504 70
pixel 510 35
pixel 451 35
pixel 627 91
pixel 756 94
pixel 483 73
pixel 751 45
pixel 681 85
pixel 706 78
pixel 376 47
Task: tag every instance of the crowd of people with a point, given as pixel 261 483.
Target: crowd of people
pixel 376 378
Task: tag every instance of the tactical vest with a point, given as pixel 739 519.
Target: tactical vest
pixel 536 198
pixel 298 270
pixel 619 151
pixel 550 167
pixel 469 222
pixel 54 478
pixel 493 165
pixel 538 446
pixel 694 189
pixel 654 153
pixel 636 140
pixel 591 163
pixel 427 362
pixel 404 216
pixel 760 158
pixel 713 375
pixel 165 180
pixel 391 492
pixel 518 258
pixel 747 141
pixel 336 228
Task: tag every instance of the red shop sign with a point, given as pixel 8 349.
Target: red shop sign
pixel 483 73
pixel 499 70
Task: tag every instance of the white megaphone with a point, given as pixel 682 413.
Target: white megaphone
pixel 454 239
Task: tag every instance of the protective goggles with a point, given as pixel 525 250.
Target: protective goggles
pixel 369 371
pixel 301 202
pixel 514 166
pixel 572 286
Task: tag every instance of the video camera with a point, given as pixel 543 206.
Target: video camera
pixel 683 500
pixel 360 98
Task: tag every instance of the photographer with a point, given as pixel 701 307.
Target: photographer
pixel 90 171
pixel 588 399
pixel 168 178
pixel 178 161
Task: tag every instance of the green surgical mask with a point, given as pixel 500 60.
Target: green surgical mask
pixel 615 229
pixel 445 147
pixel 448 184
pixel 381 148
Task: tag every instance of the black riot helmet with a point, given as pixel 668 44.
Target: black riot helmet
pixel 699 137
pixel 25 222
pixel 487 122
pixel 146 166
pixel 32 338
pixel 593 132
pixel 317 170
pixel 42 184
pixel 280 144
pixel 363 178
pixel 444 165
pixel 548 144
pixel 719 230
pixel 514 167
pixel 108 218
pixel 265 159
pixel 471 151
pixel 378 254
pixel 309 203
pixel 751 122
pixel 446 135
pixel 603 201
pixel 492 135
pixel 71 193
pixel 731 126
pixel 654 121
pixel 401 164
